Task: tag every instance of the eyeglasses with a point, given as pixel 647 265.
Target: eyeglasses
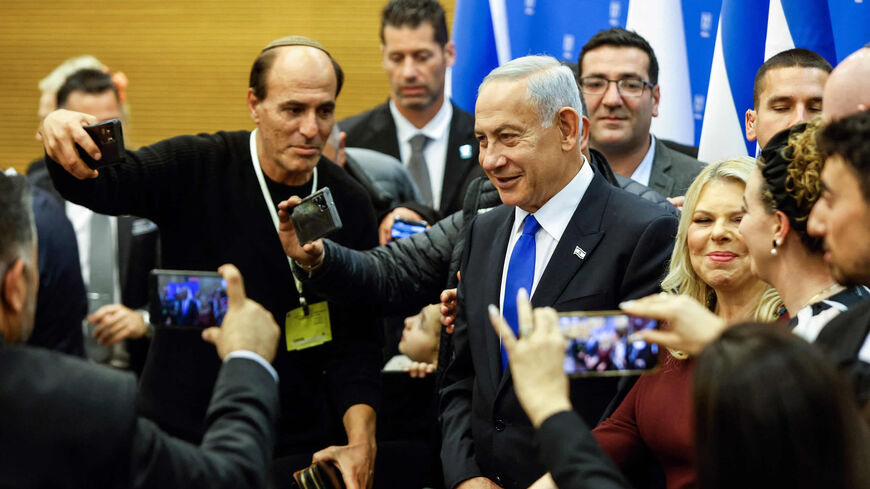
pixel 627 87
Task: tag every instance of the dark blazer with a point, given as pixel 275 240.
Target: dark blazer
pixel 138 254
pixel 376 129
pixel 58 321
pixel 70 424
pixel 572 456
pixel 627 241
pixel 672 171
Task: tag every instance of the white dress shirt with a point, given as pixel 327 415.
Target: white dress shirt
pixel 644 170
pixel 553 217
pixel 435 150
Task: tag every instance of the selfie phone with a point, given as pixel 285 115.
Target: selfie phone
pixel 315 217
pixel 187 298
pixel 109 139
pixel 599 344
pixel 402 228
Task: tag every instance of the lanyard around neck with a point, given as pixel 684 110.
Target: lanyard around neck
pixel 270 204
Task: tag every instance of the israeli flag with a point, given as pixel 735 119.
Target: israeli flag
pixel 750 32
pixel 708 50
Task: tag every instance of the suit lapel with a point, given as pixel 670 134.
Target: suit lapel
pixel 584 231
pixel 660 179
pixel 492 291
pixel 383 132
pixel 455 167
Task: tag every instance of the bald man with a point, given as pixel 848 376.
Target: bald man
pixel 847 90
pixel 214 199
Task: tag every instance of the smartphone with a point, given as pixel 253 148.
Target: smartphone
pixel 315 217
pixel 110 139
pixel 187 298
pixel 599 345
pixel 402 228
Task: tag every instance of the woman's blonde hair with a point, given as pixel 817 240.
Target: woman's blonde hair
pixel 681 277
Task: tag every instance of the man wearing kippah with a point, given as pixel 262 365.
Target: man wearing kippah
pixel 229 185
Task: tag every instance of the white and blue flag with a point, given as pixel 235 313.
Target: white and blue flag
pixel 708 50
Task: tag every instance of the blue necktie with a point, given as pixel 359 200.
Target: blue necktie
pixel 520 275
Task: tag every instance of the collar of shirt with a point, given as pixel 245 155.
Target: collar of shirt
pixel 435 129
pixel 553 217
pixel 644 170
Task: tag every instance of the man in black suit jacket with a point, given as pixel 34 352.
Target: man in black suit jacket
pixel 597 246
pixel 68 423
pixel 417 52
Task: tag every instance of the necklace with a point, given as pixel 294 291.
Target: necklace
pixel 824 293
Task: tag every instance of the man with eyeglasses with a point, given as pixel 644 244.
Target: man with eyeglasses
pixel 618 74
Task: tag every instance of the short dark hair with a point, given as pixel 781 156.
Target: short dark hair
pixel 264 62
pixel 797 57
pixel 412 13
pixel 849 138
pixel 87 80
pixel 16 220
pixel 771 410
pixel 620 37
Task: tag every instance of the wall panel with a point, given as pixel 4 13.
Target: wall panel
pixel 187 61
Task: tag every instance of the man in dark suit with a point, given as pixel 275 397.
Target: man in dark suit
pixel 621 114
pixel 68 423
pixel 565 235
pixel 416 54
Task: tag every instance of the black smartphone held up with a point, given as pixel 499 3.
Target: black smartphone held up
pixel 187 298
pixel 402 228
pixel 599 345
pixel 110 139
pixel 315 217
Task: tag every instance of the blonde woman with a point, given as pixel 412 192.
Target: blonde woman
pixel 710 263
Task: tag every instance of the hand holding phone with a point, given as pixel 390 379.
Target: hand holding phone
pixel 109 138
pixel 315 217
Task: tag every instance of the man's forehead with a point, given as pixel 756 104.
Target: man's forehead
pixel 796 82
pixel 623 60
pixel 301 68
pixel 501 96
pixel 405 36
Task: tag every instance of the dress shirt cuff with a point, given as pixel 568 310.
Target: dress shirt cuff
pixel 255 357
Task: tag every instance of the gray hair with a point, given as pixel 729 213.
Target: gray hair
pixel 17 231
pixel 551 85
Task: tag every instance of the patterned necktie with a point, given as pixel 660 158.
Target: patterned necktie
pixel 520 275
pixel 418 169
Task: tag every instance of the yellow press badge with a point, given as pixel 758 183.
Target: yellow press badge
pixel 305 331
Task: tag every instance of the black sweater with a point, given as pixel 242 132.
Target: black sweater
pixel 203 194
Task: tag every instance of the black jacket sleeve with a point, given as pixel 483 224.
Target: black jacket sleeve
pixel 237 448
pixel 398 278
pixel 573 458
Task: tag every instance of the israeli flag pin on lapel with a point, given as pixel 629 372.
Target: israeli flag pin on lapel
pixel 465 151
pixel 579 253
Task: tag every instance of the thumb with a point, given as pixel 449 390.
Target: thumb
pixel 212 335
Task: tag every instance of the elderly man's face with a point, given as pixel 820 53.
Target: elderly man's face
pixel 841 217
pixel 789 96
pixel 296 116
pixel 619 122
pixel 523 160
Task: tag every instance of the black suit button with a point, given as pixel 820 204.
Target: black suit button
pixel 498 480
pixel 499 425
